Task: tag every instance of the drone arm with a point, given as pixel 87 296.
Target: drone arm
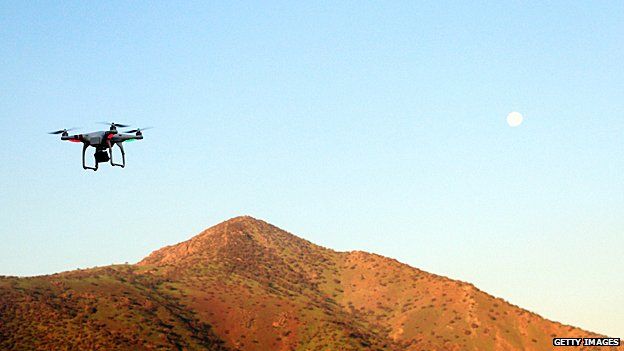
pixel 84 165
pixel 73 138
pixel 123 155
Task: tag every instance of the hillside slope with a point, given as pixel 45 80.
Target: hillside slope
pixel 247 285
pixel 111 308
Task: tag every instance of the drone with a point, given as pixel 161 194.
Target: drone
pixel 103 142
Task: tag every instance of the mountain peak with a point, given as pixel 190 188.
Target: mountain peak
pixel 235 237
pixel 244 219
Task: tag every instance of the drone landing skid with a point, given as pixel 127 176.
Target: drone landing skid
pixel 123 155
pixel 84 165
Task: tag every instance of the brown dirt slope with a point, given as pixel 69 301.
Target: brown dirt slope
pixel 247 285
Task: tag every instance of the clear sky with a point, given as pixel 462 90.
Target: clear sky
pixel 377 126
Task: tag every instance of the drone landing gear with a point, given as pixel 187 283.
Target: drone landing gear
pixel 103 155
pixel 84 165
pixel 123 155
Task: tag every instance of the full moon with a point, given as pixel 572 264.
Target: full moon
pixel 514 119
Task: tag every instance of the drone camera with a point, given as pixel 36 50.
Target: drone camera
pixel 101 156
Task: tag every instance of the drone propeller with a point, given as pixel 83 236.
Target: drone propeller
pixel 113 124
pixel 62 131
pixel 138 130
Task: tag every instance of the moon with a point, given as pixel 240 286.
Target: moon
pixel 514 119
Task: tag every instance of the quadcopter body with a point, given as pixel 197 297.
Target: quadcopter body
pixel 103 142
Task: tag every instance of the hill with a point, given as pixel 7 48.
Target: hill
pixel 247 285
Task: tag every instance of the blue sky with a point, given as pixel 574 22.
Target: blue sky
pixel 377 126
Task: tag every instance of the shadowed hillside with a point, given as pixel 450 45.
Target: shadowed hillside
pixel 247 285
